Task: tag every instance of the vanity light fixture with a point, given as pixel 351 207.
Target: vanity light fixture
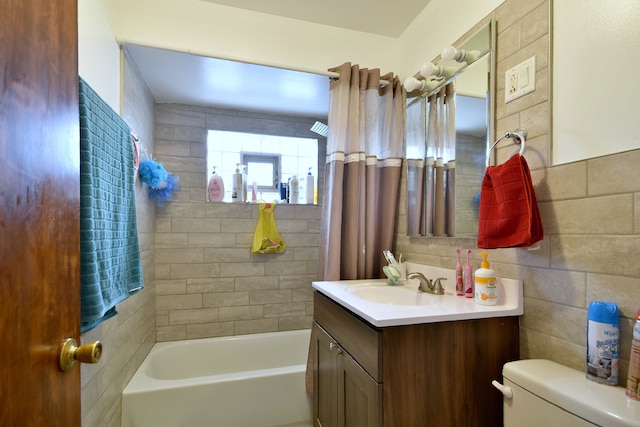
pixel 450 53
pixel 411 84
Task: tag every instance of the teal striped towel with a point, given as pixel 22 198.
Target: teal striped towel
pixel 110 267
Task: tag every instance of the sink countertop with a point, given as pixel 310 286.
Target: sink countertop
pixel 437 308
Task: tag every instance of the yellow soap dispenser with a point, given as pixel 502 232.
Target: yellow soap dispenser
pixel 486 283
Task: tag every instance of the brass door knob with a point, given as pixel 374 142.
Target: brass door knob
pixel 86 353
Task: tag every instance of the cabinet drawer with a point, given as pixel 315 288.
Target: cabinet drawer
pixel 362 341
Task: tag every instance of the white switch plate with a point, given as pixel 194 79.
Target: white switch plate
pixel 520 80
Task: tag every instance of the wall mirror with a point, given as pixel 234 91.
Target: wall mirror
pixel 590 123
pixel 251 110
pixel 469 84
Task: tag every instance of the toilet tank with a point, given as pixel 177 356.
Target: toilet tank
pixel 545 393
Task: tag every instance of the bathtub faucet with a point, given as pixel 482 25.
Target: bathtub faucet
pixel 427 285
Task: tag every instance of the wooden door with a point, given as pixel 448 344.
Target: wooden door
pixel 39 208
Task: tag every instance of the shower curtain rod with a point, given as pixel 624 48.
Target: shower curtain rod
pixel 330 74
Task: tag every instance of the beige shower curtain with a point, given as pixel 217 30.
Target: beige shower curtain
pixel 365 147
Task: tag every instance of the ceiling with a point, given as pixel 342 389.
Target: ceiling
pixel 184 78
pixel 221 83
pixel 382 17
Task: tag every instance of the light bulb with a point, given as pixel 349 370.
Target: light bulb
pixel 411 84
pixel 449 53
pixel 429 69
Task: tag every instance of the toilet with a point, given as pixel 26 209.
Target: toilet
pixel 544 393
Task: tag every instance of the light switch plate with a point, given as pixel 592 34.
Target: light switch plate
pixel 520 80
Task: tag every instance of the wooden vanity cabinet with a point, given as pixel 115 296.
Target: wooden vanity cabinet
pixel 345 393
pixel 431 374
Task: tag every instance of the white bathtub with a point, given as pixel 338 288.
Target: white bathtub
pixel 241 381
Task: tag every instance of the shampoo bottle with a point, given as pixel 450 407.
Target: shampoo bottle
pixel 309 193
pixel 486 284
pixel 236 187
pixel 245 183
pixel 215 188
pixel 459 281
pixel 468 278
pixel 294 190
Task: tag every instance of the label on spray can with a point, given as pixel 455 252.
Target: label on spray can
pixel 603 337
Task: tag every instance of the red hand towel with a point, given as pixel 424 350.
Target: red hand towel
pixel 509 215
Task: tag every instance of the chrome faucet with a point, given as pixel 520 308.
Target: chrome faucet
pixel 427 285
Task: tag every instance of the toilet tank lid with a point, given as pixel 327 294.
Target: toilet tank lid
pixel 569 389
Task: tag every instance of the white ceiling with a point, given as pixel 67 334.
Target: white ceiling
pixel 183 78
pixel 176 77
pixel 382 17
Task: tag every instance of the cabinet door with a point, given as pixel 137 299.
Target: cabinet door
pixel 325 380
pixel 359 395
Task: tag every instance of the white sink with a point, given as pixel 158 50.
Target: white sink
pixel 395 295
pixel 384 305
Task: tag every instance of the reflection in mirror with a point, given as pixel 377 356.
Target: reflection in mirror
pixel 448 132
pixel 256 116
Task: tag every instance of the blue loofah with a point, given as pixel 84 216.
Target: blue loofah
pixel 165 193
pixel 161 183
pixel 152 173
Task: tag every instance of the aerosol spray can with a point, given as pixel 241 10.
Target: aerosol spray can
pixel 603 338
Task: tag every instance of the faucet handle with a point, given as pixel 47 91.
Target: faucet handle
pixel 438 286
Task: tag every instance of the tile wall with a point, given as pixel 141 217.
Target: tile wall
pixel 127 337
pixel 590 211
pixel 208 281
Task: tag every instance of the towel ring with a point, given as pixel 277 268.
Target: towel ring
pixel 519 135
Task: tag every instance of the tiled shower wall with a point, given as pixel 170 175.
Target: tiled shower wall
pixel 127 337
pixel 590 211
pixel 208 281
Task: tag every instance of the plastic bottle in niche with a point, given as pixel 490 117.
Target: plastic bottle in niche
pixel 215 189
pixel 633 379
pixel 309 193
pixel 237 191
pixel 254 191
pixel 485 283
pixel 245 183
pixel 294 190
pixel 603 338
